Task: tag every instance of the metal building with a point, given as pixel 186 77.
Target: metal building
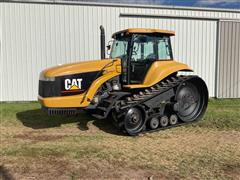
pixel 36 35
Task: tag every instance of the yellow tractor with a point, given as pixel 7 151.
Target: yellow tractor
pixel 138 86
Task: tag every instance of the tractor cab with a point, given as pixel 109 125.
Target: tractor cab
pixel 138 49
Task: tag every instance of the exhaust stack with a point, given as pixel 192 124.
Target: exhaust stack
pixel 102 40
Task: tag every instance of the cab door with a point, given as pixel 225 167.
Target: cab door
pixel 144 53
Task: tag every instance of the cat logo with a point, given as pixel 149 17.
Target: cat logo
pixel 73 84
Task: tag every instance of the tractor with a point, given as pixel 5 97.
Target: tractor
pixel 140 87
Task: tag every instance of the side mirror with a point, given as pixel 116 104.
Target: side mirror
pixel 109 47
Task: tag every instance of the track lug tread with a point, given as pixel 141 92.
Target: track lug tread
pixel 151 92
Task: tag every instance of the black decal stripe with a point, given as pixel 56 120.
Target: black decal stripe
pixel 57 88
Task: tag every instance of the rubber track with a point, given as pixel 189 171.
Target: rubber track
pixel 155 90
pixel 149 93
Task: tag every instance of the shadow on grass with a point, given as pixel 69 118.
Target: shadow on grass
pixel 5 174
pixel 37 119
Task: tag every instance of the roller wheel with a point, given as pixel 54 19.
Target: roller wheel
pixel 134 121
pixel 192 98
pixel 173 119
pixel 164 121
pixel 154 123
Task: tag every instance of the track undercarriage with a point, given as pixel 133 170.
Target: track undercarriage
pixel 175 101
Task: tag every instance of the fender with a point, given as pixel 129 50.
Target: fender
pixel 158 71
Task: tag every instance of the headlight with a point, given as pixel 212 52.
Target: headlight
pixel 42 77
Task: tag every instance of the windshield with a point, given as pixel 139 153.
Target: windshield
pixel 119 48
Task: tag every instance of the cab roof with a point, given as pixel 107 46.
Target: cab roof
pixel 143 31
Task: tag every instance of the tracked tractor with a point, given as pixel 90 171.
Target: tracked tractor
pixel 138 87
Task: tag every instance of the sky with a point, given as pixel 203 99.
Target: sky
pixel 231 4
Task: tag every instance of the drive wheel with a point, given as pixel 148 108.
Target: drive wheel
pixel 134 121
pixel 192 103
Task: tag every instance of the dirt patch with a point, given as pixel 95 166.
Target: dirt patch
pixel 102 169
pixel 38 136
pixel 82 148
pixel 162 155
pixel 44 168
pixel 232 170
pixel 53 168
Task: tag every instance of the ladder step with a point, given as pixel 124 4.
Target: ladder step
pixel 98 116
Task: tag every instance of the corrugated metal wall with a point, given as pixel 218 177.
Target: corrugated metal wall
pixel 229 60
pixel 36 36
pixel 1 59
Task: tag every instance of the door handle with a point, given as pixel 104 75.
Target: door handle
pixel 133 68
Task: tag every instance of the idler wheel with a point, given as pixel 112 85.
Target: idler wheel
pixel 134 121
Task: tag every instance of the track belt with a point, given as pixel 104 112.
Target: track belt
pixel 152 92
pixel 142 98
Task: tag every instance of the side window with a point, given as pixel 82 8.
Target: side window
pixel 163 49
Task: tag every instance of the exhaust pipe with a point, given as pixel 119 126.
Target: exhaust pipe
pixel 102 40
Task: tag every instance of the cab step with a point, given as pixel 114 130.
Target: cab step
pixel 98 116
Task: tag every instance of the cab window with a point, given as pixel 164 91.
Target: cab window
pixel 164 49
pixel 151 48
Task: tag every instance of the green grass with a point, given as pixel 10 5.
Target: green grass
pixel 82 147
pixel 221 114
pixel 31 115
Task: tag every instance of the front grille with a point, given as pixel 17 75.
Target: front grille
pixel 60 111
pixel 48 89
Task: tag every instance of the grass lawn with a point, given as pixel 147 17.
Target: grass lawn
pixel 36 146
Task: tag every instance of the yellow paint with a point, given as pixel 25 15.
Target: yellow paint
pixel 81 100
pixel 158 71
pixel 61 101
pixel 75 68
pixel 144 30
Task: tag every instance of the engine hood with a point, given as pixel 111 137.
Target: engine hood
pixel 75 68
